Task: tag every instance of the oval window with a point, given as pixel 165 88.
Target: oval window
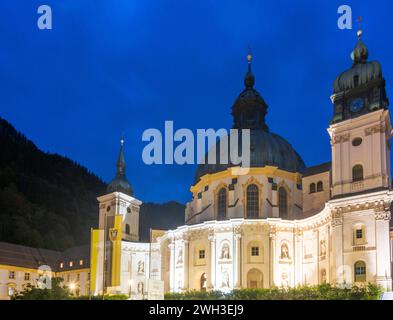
pixel 357 142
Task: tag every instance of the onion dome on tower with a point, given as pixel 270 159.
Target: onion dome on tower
pixel 267 149
pixel 361 88
pixel 120 182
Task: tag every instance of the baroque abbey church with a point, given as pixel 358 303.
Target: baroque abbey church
pixel 281 224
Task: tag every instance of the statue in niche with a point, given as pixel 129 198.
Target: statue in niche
pixel 284 251
pixel 141 267
pixel 323 276
pixel 140 288
pixel 203 282
pixel 284 280
pixel 180 257
pixel 225 251
pixel 224 278
pixel 322 248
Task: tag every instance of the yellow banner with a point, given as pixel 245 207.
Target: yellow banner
pixel 116 236
pixel 94 247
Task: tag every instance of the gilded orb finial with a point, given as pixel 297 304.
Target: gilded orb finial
pixel 249 56
pixel 360 31
pixel 122 140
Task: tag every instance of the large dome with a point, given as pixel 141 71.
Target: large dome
pixel 266 148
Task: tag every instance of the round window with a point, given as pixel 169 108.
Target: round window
pixel 357 142
pixel 108 208
pixel 129 210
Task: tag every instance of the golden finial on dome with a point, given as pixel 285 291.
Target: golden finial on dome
pixel 122 139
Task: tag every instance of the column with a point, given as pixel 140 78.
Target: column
pixel 237 261
pixel 172 267
pixel 272 256
pixel 298 257
pixel 212 275
pixel 338 269
pixel 383 272
pixel 186 261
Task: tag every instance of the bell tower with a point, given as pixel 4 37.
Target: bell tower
pixel 118 222
pixel 360 129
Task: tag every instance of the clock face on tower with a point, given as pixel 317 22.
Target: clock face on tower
pixel 356 105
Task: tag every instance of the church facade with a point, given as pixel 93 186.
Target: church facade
pixel 281 224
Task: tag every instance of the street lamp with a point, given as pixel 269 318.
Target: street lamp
pixel 72 287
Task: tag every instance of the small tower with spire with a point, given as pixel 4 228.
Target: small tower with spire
pixel 118 223
pixel 249 109
pixel 120 182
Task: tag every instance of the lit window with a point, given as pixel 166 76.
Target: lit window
pixel 11 291
pixel 27 276
pixel 81 262
pixel 222 204
pixel 252 201
pixel 61 265
pixel 11 275
pixel 255 251
pixel 71 263
pixel 201 254
pixel 360 271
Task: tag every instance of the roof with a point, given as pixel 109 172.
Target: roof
pixel 32 258
pixel 266 149
pixel 319 168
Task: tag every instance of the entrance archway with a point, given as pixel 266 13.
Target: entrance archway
pixel 254 278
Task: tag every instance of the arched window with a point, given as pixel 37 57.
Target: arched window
pixel 282 203
pixel 319 186
pixel 357 173
pixel 360 271
pixel 127 228
pixel 252 201
pixel 312 187
pixel 222 203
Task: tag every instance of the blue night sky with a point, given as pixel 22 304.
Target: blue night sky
pixel 113 66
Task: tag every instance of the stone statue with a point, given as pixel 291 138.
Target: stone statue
pixel 284 280
pixel 323 247
pixel 140 287
pixel 225 278
pixel 203 282
pixel 180 257
pixel 323 276
pixel 141 267
pixel 284 251
pixel 225 251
